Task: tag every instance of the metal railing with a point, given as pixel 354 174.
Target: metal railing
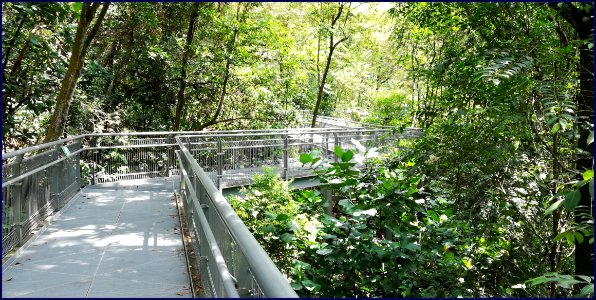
pixel 231 159
pixel 225 245
pixel 304 118
pixel 37 181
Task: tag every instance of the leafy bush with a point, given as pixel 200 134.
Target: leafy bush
pixel 379 234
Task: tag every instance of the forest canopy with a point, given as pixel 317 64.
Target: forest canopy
pixel 503 92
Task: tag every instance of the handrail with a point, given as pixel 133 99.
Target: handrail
pixel 271 280
pixel 40 146
pixel 228 282
pixel 154 133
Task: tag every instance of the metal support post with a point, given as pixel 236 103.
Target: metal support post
pixel 286 156
pixel 219 163
pixel 77 165
pixel 16 199
pixel 326 145
pixel 94 159
pixel 55 176
pixel 171 159
pixel 336 144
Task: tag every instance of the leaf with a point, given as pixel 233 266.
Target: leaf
pixel 369 212
pixel 33 39
pixel 324 251
pixel 564 124
pixel 77 6
pixel 579 237
pixel 591 137
pixel 311 286
pixel 412 246
pixel 572 199
pixel 556 128
pixel 282 217
pixel 588 174
pixel 591 188
pixel 347 156
pixel 562 235
pixel 586 291
pixel 287 237
pixel 296 286
pixel 339 151
pixel 305 158
pixel 408 265
pixel 553 207
pixel 552 120
pixel 335 181
pixel 588 279
pixel 548 277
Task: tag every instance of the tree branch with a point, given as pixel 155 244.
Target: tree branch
pixel 340 9
pixel 343 39
pixel 89 37
pixel 574 16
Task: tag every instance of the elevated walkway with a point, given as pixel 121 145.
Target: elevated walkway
pixel 120 239
pixel 114 228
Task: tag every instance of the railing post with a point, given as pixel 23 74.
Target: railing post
pixel 171 154
pixel 286 155
pixel 55 175
pixel 16 199
pixel 94 162
pixel 336 144
pixel 219 163
pixel 77 162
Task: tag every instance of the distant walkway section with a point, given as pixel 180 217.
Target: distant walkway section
pixel 119 239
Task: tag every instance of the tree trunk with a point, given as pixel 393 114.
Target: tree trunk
pixel 584 261
pixel 189 37
pixel 75 65
pixel 226 76
pixel 332 47
pixel 583 22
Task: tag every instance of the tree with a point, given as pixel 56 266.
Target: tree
pixel 84 37
pixel 322 78
pixel 189 37
pixel 581 18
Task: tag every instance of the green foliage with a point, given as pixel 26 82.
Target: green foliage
pixel 390 111
pixel 380 235
pixel 568 282
pixel 277 217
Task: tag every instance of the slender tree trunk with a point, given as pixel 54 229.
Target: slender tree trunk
pixel 332 47
pixel 75 65
pixel 12 43
pixel 226 75
pixel 189 37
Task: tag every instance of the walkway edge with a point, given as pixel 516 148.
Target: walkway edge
pixel 31 239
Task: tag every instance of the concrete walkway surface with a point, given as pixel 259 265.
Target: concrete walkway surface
pixel 119 239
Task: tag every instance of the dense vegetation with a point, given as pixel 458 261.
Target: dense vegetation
pixel 494 200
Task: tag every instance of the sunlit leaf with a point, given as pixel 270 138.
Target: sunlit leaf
pixel 553 207
pixel 339 151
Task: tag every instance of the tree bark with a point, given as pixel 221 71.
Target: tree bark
pixel 12 43
pixel 332 47
pixel 582 22
pixel 189 38
pixel 75 65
